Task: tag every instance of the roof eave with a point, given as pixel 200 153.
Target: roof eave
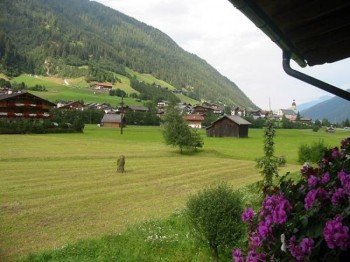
pixel 262 21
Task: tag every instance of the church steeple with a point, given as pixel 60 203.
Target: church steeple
pixel 294 105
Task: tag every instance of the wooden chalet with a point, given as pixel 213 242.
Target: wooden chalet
pixel 111 120
pixel 202 110
pixel 103 86
pixel 24 105
pixel 229 126
pixel 77 105
pixel 194 121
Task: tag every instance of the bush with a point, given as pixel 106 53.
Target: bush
pixel 118 92
pixel 307 219
pixel 315 128
pixel 311 153
pixel 215 216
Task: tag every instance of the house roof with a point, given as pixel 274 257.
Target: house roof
pixel 289 112
pixel 237 119
pixel 104 84
pixel 24 93
pixel 138 108
pixel 111 118
pixel 314 32
pixel 75 103
pixel 194 118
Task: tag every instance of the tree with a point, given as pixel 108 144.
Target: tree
pixel 209 118
pixel 227 110
pixel 269 162
pixel 177 133
pixel 325 122
pixel 286 123
pixel 318 123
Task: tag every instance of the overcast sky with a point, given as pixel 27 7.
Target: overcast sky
pixel 217 32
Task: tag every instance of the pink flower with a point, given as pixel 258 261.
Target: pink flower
pixel 248 215
pixel 237 255
pixel 345 181
pixel 325 178
pixel 302 250
pixel 313 195
pixel 336 234
pixel 312 181
pixel 338 195
pixel 255 240
pixel 310 198
pixel 335 152
pixel 255 257
pixel 264 229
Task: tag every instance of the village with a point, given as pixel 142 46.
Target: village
pixel 224 121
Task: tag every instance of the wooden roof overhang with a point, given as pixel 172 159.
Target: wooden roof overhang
pixel 309 32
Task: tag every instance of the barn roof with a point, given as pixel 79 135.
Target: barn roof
pixel 111 118
pixel 24 93
pixel 314 32
pixel 237 119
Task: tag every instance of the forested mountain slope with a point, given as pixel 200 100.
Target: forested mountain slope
pixel 84 38
pixel 335 110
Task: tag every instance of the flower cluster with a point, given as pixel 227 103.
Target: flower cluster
pixel 302 250
pixel 306 218
pixel 336 234
pixel 248 215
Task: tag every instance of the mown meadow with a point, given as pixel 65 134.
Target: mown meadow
pixel 57 189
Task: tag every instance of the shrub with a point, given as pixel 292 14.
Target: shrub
pixel 215 215
pixel 311 153
pixel 307 219
pixel 315 128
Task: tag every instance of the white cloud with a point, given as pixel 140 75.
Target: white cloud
pixel 226 39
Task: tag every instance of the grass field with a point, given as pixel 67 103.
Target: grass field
pixel 59 188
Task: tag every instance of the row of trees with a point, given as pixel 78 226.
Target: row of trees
pixel 149 118
pixel 152 92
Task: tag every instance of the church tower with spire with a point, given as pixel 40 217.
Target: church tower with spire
pixel 294 106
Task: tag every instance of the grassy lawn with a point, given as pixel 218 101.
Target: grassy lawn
pixel 60 188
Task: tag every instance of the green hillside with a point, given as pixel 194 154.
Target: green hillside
pixel 77 89
pixel 75 38
pixel 70 89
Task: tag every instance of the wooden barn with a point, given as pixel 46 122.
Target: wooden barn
pixel 111 120
pixel 24 105
pixel 229 126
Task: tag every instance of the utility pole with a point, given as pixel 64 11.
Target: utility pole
pixel 122 115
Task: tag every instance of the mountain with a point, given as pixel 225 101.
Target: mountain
pixel 84 38
pixel 335 110
pixel 307 105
